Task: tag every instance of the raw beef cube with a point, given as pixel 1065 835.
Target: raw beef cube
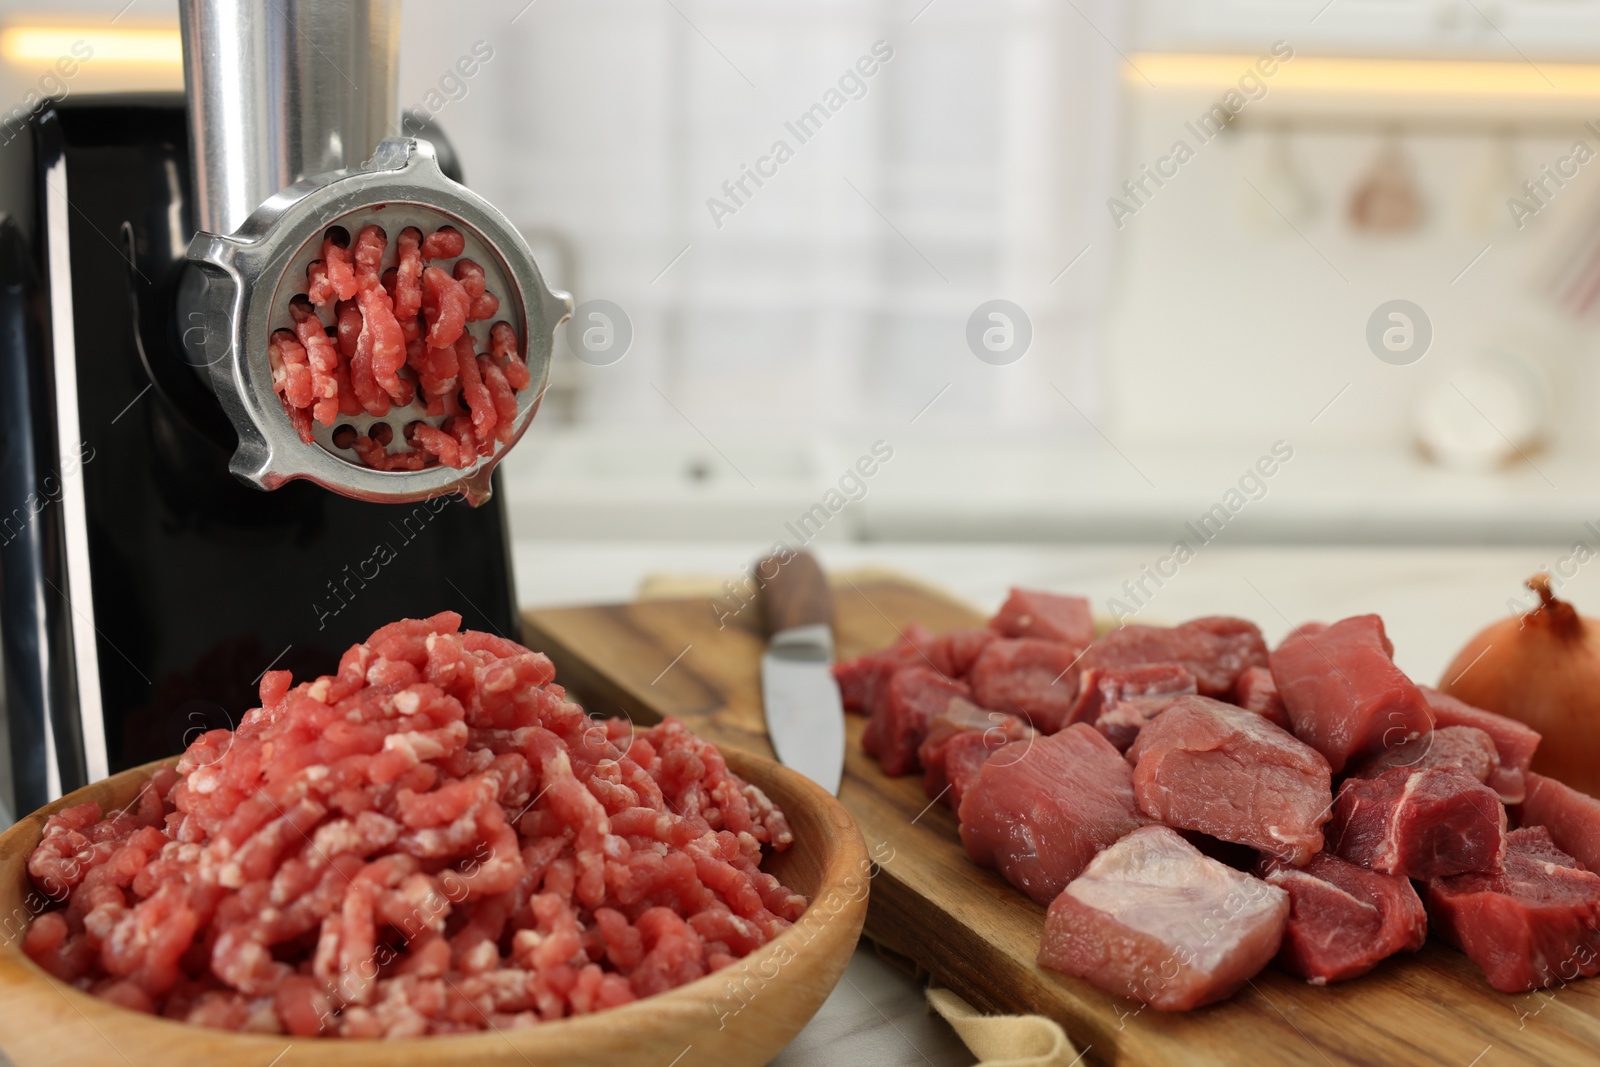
pixel 1344 694
pixel 912 698
pixel 1102 687
pixel 1121 722
pixel 861 679
pixel 1208 766
pixel 1514 741
pixel 1421 824
pixel 1256 691
pixel 1572 817
pixel 1534 923
pixel 1041 809
pixel 1460 749
pixel 958 722
pixel 1343 919
pixel 1153 919
pixel 1025 676
pixel 964 758
pixel 954 652
pixel 1216 649
pixel 1049 616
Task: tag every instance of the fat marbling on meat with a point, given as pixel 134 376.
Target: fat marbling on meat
pixel 1572 817
pixel 1531 924
pixel 1420 824
pixel 1344 919
pixel 1154 919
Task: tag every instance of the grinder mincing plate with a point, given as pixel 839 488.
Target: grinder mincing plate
pixel 150 245
pixel 239 287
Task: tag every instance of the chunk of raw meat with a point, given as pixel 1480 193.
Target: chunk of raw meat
pixel 1049 616
pixel 1421 824
pixel 1532 924
pixel 955 652
pixel 1103 687
pixel 1122 722
pixel 1515 741
pixel 860 679
pixel 956 726
pixel 1208 766
pixel 964 758
pixel 1460 749
pixel 1153 919
pixel 1344 919
pixel 1040 809
pixel 1256 691
pixel 1571 816
pixel 1036 680
pixel 1344 694
pixel 1216 649
pixel 912 698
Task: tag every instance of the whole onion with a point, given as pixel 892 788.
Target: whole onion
pixel 1542 668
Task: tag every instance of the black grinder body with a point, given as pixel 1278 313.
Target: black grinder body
pixel 143 588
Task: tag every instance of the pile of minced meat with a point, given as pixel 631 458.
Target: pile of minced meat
pixel 432 840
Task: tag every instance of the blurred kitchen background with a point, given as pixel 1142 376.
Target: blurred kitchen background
pixel 1172 315
pixel 1173 340
pixel 1184 310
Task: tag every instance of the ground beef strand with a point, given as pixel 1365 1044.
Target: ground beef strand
pixel 433 840
pixel 397 332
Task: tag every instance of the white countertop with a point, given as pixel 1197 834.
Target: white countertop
pixel 662 484
pixel 1432 599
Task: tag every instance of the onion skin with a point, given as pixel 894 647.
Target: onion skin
pixel 1543 669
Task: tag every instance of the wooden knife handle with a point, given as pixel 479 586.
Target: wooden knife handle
pixel 793 592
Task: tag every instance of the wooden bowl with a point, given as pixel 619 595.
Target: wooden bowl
pixel 743 1014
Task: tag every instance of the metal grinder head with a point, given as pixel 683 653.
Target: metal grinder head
pixel 286 101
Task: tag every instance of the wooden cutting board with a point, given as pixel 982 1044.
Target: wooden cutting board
pixel 975 934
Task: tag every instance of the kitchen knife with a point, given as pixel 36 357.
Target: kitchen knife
pixel 805 716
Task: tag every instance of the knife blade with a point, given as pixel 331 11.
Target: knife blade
pixel 805 715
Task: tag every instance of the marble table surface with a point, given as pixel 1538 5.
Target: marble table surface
pixel 1432 600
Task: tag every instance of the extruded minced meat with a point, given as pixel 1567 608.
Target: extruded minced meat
pixel 432 840
pixel 402 328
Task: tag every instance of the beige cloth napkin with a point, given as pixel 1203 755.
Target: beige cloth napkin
pixel 1005 1040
